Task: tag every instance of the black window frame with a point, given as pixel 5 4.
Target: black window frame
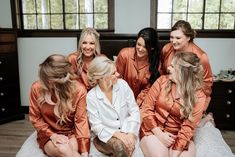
pixel 200 33
pixel 17 24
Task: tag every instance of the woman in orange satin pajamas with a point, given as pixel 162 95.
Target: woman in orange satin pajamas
pixel 57 110
pixel 88 48
pixel 173 108
pixel 138 65
pixel 181 39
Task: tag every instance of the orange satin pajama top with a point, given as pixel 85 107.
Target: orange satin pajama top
pixel 159 111
pixel 45 121
pixel 167 55
pixel 137 78
pixel 83 76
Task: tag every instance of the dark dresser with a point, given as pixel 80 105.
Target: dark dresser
pixel 222 105
pixel 10 108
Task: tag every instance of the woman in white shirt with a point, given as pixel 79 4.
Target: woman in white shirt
pixel 112 110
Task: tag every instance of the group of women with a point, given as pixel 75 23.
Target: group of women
pixel 147 103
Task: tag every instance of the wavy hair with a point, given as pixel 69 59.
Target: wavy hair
pixel 151 43
pixel 95 35
pixel 188 79
pixel 186 28
pixel 57 81
pixel 99 68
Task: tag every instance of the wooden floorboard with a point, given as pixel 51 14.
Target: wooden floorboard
pixel 13 135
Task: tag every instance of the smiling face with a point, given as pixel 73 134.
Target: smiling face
pixel 141 50
pixel 88 46
pixel 179 40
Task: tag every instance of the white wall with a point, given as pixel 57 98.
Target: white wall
pixel 130 17
pixel 32 52
pixel 5 14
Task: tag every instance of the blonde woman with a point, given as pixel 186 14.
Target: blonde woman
pixel 88 48
pixel 58 110
pixel 173 108
pixel 113 113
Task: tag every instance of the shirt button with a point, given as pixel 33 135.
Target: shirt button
pixel 117 119
pixel 119 128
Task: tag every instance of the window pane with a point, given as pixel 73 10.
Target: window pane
pixel 228 6
pixel 72 6
pixel 227 21
pixel 43 21
pixel 212 5
pixel 30 22
pixel 195 5
pixel 57 22
pixel 28 6
pixel 72 21
pixel 195 20
pixel 43 6
pixel 86 6
pixel 83 21
pixel 56 6
pixel 164 21
pixel 177 17
pixel 164 5
pixel 180 6
pixel 101 21
pixel 101 5
pixel 211 21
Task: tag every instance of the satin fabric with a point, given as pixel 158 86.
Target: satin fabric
pixel 82 78
pixel 137 76
pixel 45 121
pixel 167 55
pixel 163 111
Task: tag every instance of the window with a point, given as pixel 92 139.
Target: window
pixel 65 14
pixel 207 15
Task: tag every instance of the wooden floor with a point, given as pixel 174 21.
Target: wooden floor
pixel 13 135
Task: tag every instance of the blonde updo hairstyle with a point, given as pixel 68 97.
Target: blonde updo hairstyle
pixel 188 79
pixel 99 68
pixel 57 80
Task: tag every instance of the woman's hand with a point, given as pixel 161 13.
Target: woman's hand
pixel 165 137
pixel 59 139
pixel 128 139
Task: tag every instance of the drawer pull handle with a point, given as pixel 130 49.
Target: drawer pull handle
pixel 229 102
pixel 227 115
pixel 0 62
pixel 1 94
pixel 230 91
pixel 3 109
pixel 1 78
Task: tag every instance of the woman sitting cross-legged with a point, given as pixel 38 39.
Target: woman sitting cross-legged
pixel 112 111
pixel 173 108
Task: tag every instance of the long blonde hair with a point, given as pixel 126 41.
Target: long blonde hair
pixel 95 35
pixel 99 67
pixel 189 79
pixel 57 80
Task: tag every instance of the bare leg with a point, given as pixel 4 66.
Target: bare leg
pixel 191 152
pixel 62 150
pixel 153 147
pixel 114 147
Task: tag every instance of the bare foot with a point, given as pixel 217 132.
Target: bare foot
pixel 207 118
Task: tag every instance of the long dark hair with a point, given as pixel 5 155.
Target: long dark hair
pixel 151 43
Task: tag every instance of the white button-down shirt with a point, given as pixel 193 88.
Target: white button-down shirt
pixel 121 115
